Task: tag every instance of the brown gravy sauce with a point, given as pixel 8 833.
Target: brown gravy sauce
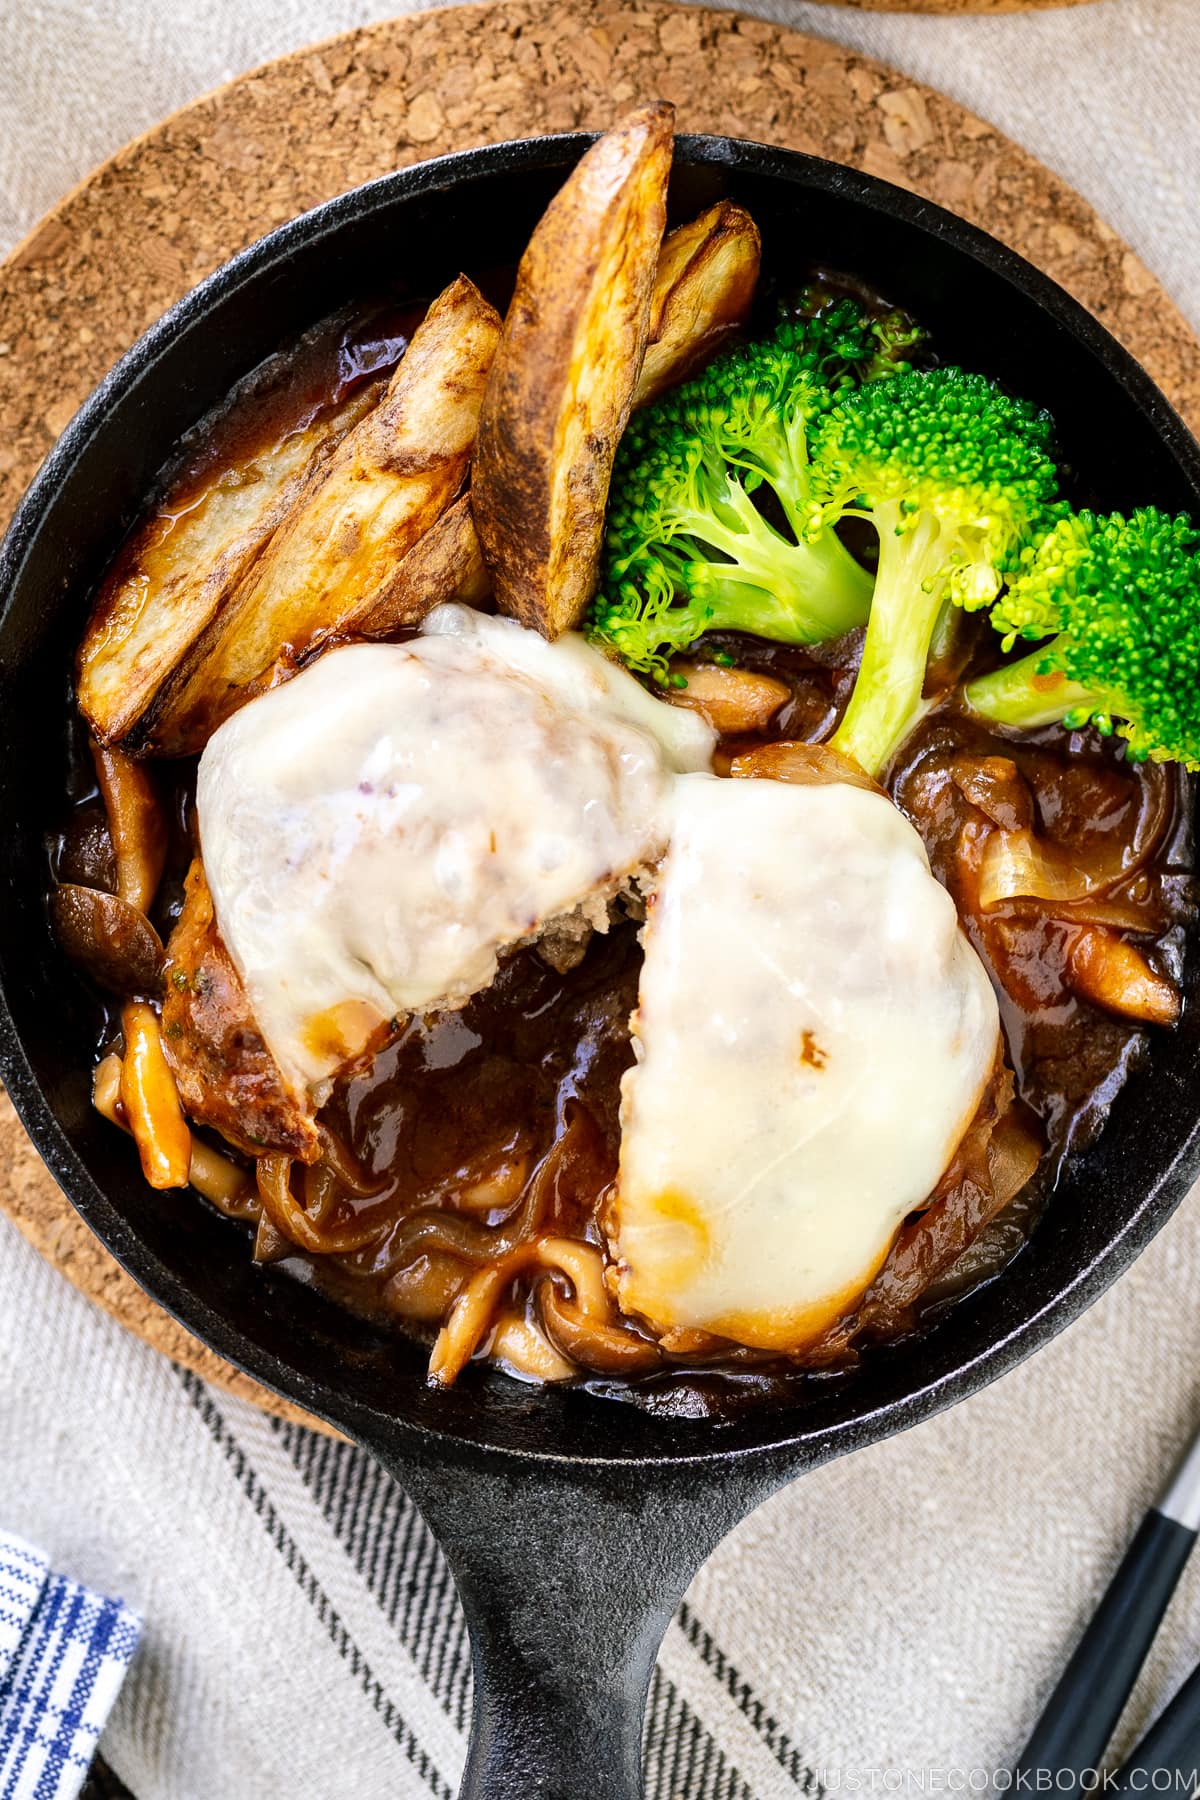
pixel 459 1092
pixel 459 1095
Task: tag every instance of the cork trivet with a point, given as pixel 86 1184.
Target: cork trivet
pixel 182 199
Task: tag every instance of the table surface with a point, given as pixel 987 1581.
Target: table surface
pixel 1102 95
pixel 844 1640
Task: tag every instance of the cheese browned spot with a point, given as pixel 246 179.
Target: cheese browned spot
pixel 377 831
pixel 813 1034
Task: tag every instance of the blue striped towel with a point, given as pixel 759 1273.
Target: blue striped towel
pixel 63 1655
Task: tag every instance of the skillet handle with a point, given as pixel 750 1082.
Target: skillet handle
pixel 568 1583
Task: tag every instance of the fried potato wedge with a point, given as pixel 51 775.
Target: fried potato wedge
pixel 562 383
pixel 339 551
pixel 180 568
pixel 704 289
pixel 446 564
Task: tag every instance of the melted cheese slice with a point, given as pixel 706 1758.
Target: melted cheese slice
pixel 378 830
pixel 813 1036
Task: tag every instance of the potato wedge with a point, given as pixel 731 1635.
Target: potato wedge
pixel 180 568
pixel 446 564
pixel 562 383
pixel 704 288
pixel 339 551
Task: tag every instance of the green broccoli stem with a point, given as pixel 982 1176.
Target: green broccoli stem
pixel 817 587
pixel 910 588
pixel 1017 695
pixel 774 612
pixel 782 457
pixel 794 593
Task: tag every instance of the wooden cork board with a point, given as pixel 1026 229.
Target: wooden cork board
pixel 179 201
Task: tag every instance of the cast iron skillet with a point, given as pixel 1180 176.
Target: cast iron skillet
pixel 572 1524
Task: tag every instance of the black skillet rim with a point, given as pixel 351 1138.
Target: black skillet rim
pixel 796 1446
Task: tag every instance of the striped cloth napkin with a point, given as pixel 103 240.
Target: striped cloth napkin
pixel 64 1651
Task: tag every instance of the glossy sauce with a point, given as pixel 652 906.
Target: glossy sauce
pixel 457 1094
pixel 452 1112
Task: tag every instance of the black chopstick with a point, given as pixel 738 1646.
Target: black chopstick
pixel 1081 1714
pixel 1170 1747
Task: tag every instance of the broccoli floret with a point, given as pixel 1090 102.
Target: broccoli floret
pixel 856 345
pixel 954 474
pixel 688 548
pixel 1123 596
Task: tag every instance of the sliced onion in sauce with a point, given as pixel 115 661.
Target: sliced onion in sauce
pixel 319 1186
pixel 1014 1152
pixel 1018 865
pixel 803 765
pixel 290 1218
pixel 436 1231
pixel 342 1163
pixel 424 1289
pixel 498 1188
pixel 1116 914
pixel 996 787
